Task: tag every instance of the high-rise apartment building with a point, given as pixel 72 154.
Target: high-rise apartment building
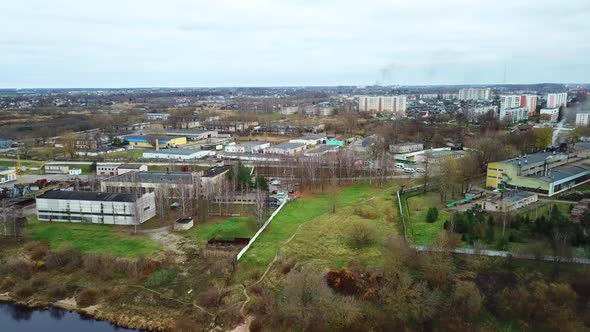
pixel 515 101
pixel 475 94
pixel 383 104
pixel 556 100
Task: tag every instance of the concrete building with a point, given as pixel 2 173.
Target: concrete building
pixel 310 139
pixel 514 114
pixel 383 104
pixel 516 101
pixel 582 119
pixel 7 174
pixel 95 207
pixel 406 147
pixel 150 141
pixel 321 150
pixel 556 100
pixel 176 154
pixel 212 179
pixel 57 169
pixel 126 168
pixel 546 173
pixel 550 114
pixel 474 113
pixel 289 110
pixel 193 134
pixel 106 169
pixel 287 149
pixel 247 147
pixel 157 116
pixel 150 181
pixel 509 201
pixel 475 94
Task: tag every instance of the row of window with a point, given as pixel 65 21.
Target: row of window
pixel 88 213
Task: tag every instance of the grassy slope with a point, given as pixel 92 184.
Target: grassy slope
pixel 90 238
pixel 226 229
pixel 425 233
pixel 321 240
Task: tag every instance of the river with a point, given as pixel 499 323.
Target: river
pixel 15 318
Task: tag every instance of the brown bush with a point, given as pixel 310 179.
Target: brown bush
pixel 102 266
pixel 23 290
pixel 361 234
pixel 39 282
pixel 185 324
pixel 343 281
pixel 366 212
pixel 68 259
pixel 87 297
pixel 7 283
pixel 58 291
pixel 37 249
pixel 287 265
pixel 211 297
pixel 22 268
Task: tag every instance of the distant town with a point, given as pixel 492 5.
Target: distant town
pixel 189 209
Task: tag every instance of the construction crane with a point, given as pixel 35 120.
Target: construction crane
pixel 18 165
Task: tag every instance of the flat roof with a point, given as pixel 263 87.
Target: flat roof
pixel 152 177
pixel 182 152
pixel 312 136
pixel 511 196
pixel 216 170
pixel 88 196
pixel 323 148
pixel 406 144
pixel 251 143
pixel 565 171
pixel 288 146
pixel 149 137
pixel 131 166
pixel 535 158
pixel 189 132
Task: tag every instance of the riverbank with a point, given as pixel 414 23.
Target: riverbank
pixel 118 320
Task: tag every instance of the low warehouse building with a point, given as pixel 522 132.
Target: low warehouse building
pixel 247 147
pixel 509 201
pixel 152 141
pixel 95 207
pixel 176 154
pixel 287 149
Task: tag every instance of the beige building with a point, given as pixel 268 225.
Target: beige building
pixel 383 104
pixel 406 147
pixel 509 201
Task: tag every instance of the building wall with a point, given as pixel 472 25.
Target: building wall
pixel 582 119
pixel 123 170
pixel 405 148
pixel 507 205
pixel 383 104
pixel 556 100
pixel 158 155
pixel 515 114
pixel 7 175
pixel 97 212
pixel 106 170
pixel 552 112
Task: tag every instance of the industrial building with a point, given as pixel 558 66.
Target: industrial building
pixel 95 207
pixel 7 174
pixel 546 173
pixel 509 201
pixel 152 141
pixel 310 139
pixel 193 134
pixel 247 147
pixel 287 149
pixel 148 181
pixel 111 169
pixel 406 147
pixel 176 154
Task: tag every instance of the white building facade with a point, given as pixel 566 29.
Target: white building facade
pixel 582 119
pixel 550 114
pixel 95 207
pixel 556 100
pixel 383 104
pixel 475 94
pixel 514 114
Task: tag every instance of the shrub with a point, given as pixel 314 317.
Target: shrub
pixel 63 259
pixel 39 281
pixel 361 234
pixel 160 278
pixel 57 291
pixel 366 212
pixel 432 215
pixel 37 249
pixel 211 297
pixel 22 268
pixel 286 265
pixel 7 283
pixel 24 290
pixel 87 297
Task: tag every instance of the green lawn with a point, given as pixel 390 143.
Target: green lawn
pixel 90 238
pixel 541 209
pixel 321 239
pixel 425 233
pixel 129 155
pixel 226 229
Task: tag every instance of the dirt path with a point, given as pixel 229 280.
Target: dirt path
pixel 172 243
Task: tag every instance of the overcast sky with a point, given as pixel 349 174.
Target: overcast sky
pixel 137 43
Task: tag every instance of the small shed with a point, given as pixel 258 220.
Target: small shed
pixel 183 224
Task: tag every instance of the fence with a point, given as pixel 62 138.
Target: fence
pixel 243 251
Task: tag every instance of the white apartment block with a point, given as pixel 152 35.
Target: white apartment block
pixel 550 114
pixel 556 100
pixel 475 94
pixel 514 114
pixel 582 119
pixel 383 104
pixel 514 101
pixel 95 207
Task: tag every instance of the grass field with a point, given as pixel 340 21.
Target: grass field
pixel 320 235
pixel 544 208
pixel 128 155
pixel 89 238
pixel 226 229
pixel 425 233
